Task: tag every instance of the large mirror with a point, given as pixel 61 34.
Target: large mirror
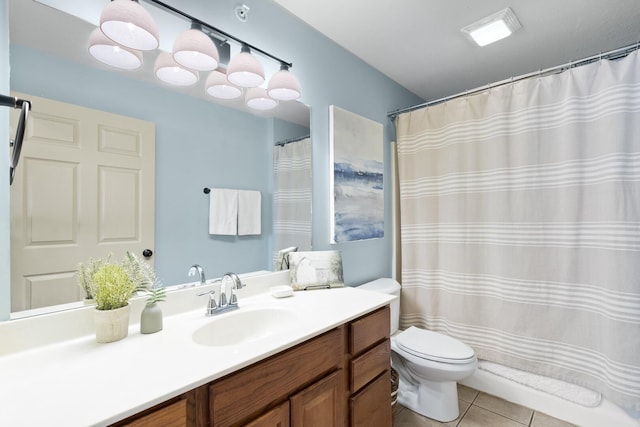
pixel 199 143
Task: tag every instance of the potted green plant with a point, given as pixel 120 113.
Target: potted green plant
pixel 113 287
pixel 85 273
pixel 144 275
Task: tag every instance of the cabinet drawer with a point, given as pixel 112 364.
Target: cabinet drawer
pixel 174 415
pixel 236 398
pixel 371 407
pixel 368 330
pixel 369 365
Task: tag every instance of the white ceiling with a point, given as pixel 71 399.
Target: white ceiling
pixel 418 43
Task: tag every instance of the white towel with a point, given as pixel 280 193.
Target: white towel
pixel 223 211
pixel 249 212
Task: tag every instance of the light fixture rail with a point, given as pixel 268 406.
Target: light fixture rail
pixel 216 30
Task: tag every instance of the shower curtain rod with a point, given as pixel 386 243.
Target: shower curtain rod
pixel 612 54
pixel 290 140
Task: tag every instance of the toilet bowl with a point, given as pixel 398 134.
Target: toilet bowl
pixel 428 363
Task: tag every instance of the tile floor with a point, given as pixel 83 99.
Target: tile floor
pixel 481 410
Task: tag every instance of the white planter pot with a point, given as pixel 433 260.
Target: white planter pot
pixel 112 325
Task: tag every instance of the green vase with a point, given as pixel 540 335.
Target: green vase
pixel 151 319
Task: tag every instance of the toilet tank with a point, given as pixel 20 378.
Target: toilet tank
pixel 391 287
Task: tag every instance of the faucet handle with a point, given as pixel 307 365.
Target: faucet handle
pixel 211 305
pixel 223 297
pixel 237 284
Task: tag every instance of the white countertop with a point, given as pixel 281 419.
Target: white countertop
pixel 79 382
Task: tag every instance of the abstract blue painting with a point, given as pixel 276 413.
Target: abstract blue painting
pixel 358 177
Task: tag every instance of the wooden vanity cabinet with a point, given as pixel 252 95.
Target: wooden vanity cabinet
pixel 340 378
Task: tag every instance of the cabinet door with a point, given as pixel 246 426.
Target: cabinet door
pixel 371 407
pixel 277 417
pixel 320 404
pixel 242 395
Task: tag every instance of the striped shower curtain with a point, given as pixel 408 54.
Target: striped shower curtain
pixel 520 224
pixel 292 197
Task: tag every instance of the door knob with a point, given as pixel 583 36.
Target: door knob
pixel 147 253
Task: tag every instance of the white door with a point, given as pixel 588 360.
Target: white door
pixel 84 187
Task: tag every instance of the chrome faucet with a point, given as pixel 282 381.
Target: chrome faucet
pixel 196 268
pixel 237 284
pixel 222 305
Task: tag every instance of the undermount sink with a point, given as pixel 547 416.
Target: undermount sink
pixel 245 325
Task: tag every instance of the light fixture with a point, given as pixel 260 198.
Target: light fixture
pixel 258 99
pixel 245 70
pixel 218 86
pixel 108 52
pixel 194 49
pixel 492 28
pixel 169 71
pixel 126 28
pixel 283 85
pixel 130 25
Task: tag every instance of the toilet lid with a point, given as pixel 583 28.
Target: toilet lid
pixel 434 346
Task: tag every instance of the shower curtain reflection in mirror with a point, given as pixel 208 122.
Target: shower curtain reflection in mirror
pixel 291 197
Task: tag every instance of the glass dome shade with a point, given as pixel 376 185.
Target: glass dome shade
pixel 130 25
pixel 194 49
pixel 108 52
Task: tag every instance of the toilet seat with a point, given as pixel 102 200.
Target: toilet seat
pixel 434 346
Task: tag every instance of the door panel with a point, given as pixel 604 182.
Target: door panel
pixel 84 188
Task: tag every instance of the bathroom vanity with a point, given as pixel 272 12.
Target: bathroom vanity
pixel 318 358
pixel 340 378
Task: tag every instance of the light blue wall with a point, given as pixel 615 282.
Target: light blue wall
pixel 5 297
pixel 329 76
pixel 198 144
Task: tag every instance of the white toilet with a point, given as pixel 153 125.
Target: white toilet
pixel 428 363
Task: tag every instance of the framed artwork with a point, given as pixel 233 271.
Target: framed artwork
pixel 357 202
pixel 316 270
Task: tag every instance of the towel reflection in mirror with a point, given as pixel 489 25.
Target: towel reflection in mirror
pixel 234 212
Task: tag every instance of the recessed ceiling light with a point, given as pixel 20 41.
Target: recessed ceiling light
pixel 492 28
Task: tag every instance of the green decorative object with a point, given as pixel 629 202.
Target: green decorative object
pixel 85 273
pixel 111 285
pixel 151 319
